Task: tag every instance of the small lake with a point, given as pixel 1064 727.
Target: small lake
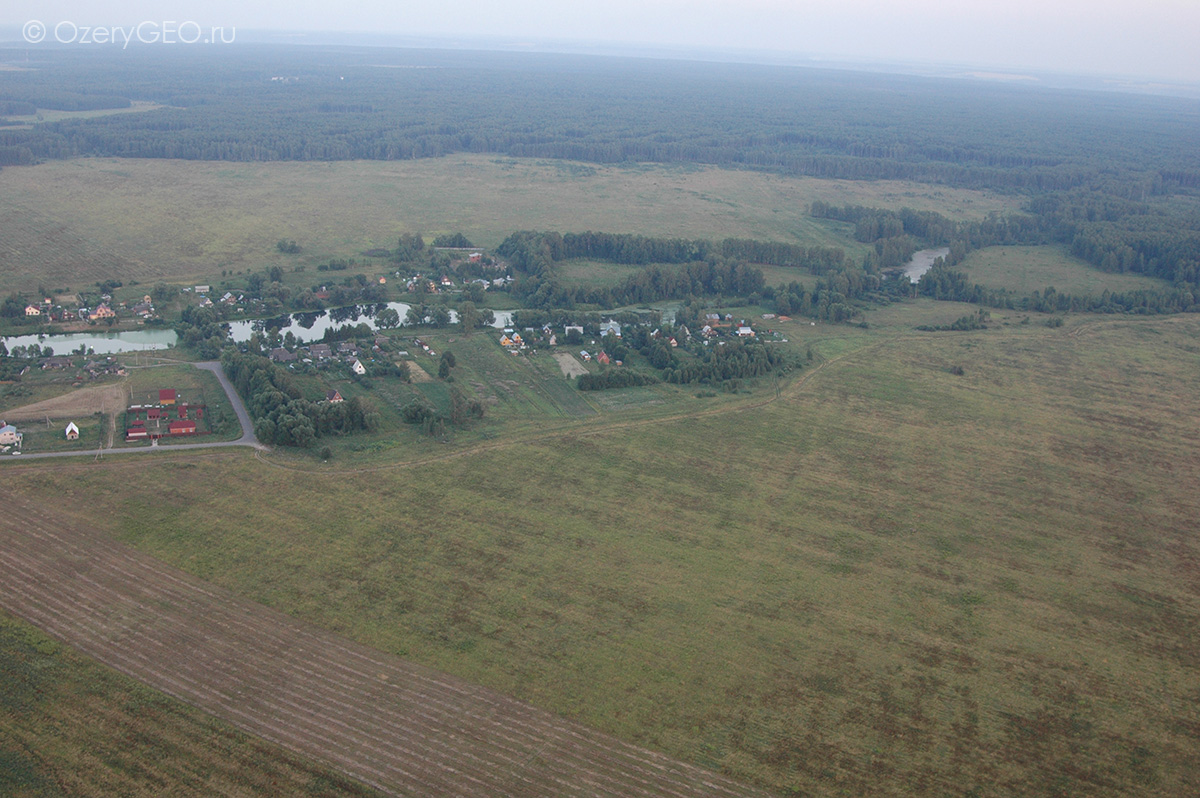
pixel 100 343
pixel 308 327
pixel 922 262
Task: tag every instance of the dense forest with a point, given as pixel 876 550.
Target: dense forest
pixel 293 103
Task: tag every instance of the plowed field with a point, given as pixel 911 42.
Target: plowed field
pixel 393 725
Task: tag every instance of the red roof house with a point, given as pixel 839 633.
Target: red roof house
pixel 166 396
pixel 182 427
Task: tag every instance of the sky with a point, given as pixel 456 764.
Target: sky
pixel 1139 38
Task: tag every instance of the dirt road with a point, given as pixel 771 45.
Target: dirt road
pixel 399 727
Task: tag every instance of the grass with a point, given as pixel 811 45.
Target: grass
pixel 890 581
pixel 71 223
pixel 1023 270
pixel 71 727
pixel 595 274
pixel 52 115
pixel 93 433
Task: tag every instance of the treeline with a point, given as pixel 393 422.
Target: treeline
pixel 613 378
pixel 56 100
pixel 943 282
pixel 1111 233
pixel 535 256
pixel 282 416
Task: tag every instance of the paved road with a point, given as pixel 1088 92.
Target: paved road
pixel 239 408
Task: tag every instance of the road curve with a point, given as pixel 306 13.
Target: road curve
pixel 399 727
pixel 239 409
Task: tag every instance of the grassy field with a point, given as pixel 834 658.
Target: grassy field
pixel 1023 270
pixel 890 580
pixel 69 727
pixel 52 115
pixel 595 273
pixel 70 223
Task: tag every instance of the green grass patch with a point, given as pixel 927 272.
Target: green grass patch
pixel 595 273
pixel 76 222
pixel 892 580
pixel 1023 270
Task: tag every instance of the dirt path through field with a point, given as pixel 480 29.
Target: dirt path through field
pixel 81 402
pixel 399 727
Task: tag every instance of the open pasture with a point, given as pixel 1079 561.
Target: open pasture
pixel 891 580
pixel 1024 270
pixel 70 223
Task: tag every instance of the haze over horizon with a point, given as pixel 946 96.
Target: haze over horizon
pixel 1147 40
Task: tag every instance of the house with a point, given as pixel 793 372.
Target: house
pixel 182 427
pixel 136 433
pixel 102 312
pixel 56 363
pixel 320 351
pixel 166 396
pixel 154 413
pixel 348 348
pixel 32 310
pixel 603 358
pixel 72 431
pixel 745 332
pixel 583 354
pixel 577 328
pixel 475 257
pixel 358 368
pixel 9 434
pixel 203 289
pixel 610 328
pixel 333 396
pixel 281 355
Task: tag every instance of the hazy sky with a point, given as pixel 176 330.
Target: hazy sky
pixel 1148 38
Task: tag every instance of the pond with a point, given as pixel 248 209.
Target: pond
pixel 922 262
pixel 308 327
pixel 105 343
